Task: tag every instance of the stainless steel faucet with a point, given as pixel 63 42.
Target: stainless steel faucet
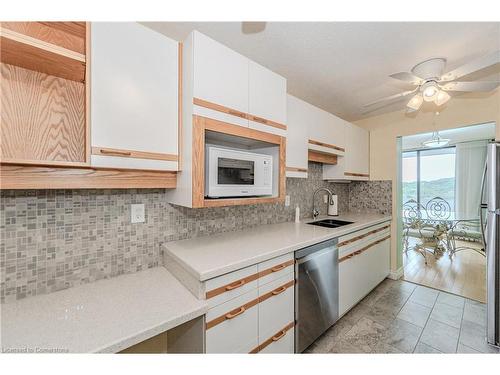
pixel 330 199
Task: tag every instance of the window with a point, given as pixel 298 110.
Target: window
pixel 429 173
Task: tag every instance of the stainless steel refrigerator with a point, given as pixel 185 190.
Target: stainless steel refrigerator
pixel 493 243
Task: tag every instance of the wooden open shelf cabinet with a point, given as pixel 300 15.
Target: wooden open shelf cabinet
pixel 45 101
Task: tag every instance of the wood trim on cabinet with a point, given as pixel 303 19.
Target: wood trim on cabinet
pixel 231 314
pixel 31 177
pixel 357 252
pixel 276 268
pixel 200 126
pixel 179 108
pixel 219 108
pixel 105 151
pixel 234 112
pixel 267 122
pixel 318 143
pixel 276 291
pixel 356 174
pixel 198 162
pixel 277 336
pixel 245 280
pixel 320 157
pixel 354 239
pixel 294 169
pixel 231 286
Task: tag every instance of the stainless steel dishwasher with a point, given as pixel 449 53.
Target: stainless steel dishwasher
pixel 316 292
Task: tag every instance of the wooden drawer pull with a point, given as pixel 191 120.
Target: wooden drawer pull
pixel 236 285
pixel 279 335
pixel 278 291
pixel 278 268
pixel 108 152
pixel 358 252
pixel 232 315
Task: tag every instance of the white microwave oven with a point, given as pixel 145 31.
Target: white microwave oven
pixel 237 173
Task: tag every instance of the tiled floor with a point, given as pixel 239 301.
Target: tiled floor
pixel 402 317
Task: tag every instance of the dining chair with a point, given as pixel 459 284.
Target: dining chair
pixel 415 227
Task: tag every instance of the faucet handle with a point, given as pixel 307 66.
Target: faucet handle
pixel 315 213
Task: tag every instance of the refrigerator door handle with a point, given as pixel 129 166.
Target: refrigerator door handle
pixel 482 206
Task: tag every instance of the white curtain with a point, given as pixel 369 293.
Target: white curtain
pixel 469 165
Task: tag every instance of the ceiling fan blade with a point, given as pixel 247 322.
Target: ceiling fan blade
pixel 480 86
pixel 407 77
pixel 473 66
pixel 392 97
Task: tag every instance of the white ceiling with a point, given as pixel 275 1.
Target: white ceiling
pixel 339 66
pixel 458 135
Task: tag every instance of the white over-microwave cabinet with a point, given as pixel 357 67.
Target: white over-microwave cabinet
pixel 266 99
pixel 354 165
pixel 298 123
pixel 223 85
pixel 220 74
pixel 134 97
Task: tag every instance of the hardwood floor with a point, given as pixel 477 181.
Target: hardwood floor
pixel 464 275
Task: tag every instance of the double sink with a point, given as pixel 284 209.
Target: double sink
pixel 330 223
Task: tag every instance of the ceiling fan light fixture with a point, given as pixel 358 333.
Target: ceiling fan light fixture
pixel 430 91
pixel 441 98
pixel 436 141
pixel 416 102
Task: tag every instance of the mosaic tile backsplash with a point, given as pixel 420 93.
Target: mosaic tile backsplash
pixel 57 239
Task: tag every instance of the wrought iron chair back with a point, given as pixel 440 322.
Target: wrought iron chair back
pixel 412 211
pixel 438 209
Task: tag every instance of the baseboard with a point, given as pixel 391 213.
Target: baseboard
pixel 396 275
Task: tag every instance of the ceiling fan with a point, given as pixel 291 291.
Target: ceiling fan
pixel 433 85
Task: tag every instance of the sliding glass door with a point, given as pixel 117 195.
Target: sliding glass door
pixel 429 173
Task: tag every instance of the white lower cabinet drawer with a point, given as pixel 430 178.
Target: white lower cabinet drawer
pixel 275 268
pixel 276 307
pixel 232 327
pixel 282 342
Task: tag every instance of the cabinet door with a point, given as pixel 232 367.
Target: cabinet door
pixel 220 74
pixel 297 137
pixel 357 151
pixel 327 129
pixel 266 99
pixel 134 99
pixel 350 284
pixel 281 343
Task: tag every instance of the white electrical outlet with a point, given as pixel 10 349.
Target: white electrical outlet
pixel 137 213
pixel 325 198
pixel 287 200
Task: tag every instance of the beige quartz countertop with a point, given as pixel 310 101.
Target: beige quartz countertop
pixel 211 256
pixel 104 316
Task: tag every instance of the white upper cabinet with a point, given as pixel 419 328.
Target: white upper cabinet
pixel 354 165
pixel 267 98
pixel 327 132
pixel 134 98
pixel 357 153
pixel 298 121
pixel 220 74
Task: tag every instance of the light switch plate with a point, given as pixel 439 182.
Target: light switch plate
pixel 137 213
pixel 325 198
pixel 287 200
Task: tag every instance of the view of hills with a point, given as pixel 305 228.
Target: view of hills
pixel 444 188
